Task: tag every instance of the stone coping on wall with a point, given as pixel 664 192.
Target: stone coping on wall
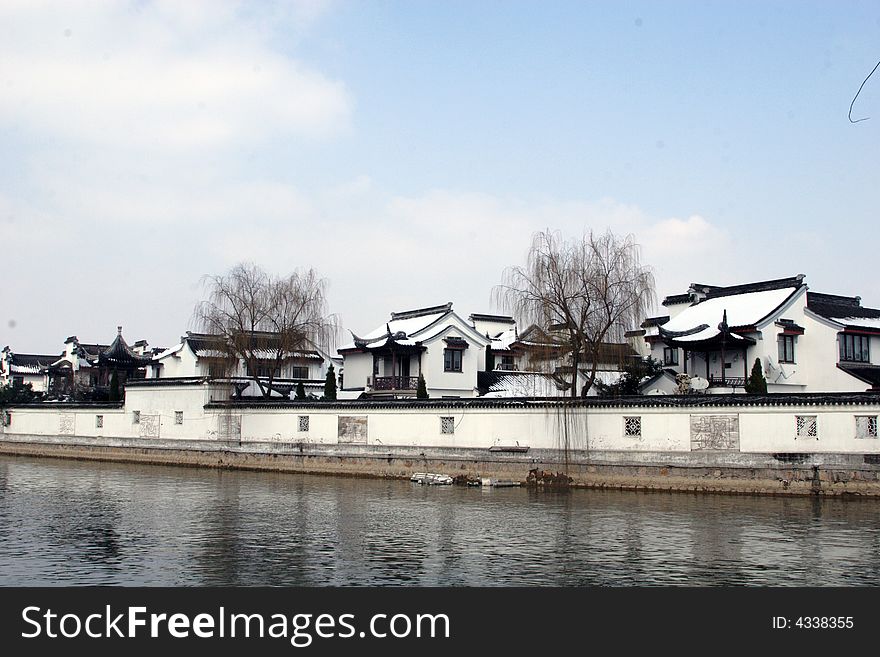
pixel 68 405
pixel 651 401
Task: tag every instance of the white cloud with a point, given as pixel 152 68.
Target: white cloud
pixel 159 75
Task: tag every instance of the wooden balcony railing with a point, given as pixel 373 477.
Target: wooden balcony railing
pixel 729 382
pixel 395 382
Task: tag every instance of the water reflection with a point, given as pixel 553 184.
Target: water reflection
pixel 66 522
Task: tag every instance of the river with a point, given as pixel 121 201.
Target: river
pixel 90 523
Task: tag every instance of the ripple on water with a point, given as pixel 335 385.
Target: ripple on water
pixel 76 523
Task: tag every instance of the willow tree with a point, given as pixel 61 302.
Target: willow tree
pixel 265 321
pixel 579 294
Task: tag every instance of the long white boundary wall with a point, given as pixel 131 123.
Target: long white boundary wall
pixel 800 424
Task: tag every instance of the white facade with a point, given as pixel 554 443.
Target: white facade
pixel 432 342
pixel 24 369
pixel 196 356
pixel 798 348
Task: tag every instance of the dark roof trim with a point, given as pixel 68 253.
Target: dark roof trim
pixel 760 286
pixel 655 321
pixel 419 312
pixel 636 401
pixel 789 327
pixel 675 299
pixel 501 319
pixel 863 372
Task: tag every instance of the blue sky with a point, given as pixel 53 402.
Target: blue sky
pixel 408 150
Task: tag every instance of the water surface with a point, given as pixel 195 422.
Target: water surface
pixel 89 523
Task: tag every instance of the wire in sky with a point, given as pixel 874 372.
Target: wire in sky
pixel 857 95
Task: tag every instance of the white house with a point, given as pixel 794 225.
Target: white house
pixel 805 341
pixel 203 355
pixel 434 342
pixel 532 364
pixel 20 369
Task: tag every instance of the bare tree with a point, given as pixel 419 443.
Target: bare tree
pixel 580 293
pixel 265 321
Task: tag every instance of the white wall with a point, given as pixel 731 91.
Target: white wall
pixel 358 368
pixel 762 429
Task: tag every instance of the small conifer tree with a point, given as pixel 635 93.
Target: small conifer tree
pixel 421 388
pixel 300 391
pixel 756 383
pixel 114 386
pixel 330 384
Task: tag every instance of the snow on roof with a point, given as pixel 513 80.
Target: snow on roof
pixel 169 352
pixel 867 322
pixel 525 384
pixel 504 339
pixel 742 310
pixel 25 369
pixel 409 326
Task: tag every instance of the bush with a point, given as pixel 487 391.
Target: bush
pixel 421 389
pixel 756 384
pixel 330 384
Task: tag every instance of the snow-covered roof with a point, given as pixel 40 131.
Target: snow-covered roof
pixel 25 369
pixel 169 352
pixel 408 327
pixel 503 340
pixel 867 322
pixel 746 309
pixel 525 384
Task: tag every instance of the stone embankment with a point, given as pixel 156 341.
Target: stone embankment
pixel 764 474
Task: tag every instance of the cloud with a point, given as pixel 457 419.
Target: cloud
pixel 176 75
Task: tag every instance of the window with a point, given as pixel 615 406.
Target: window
pixel 264 369
pixel 17 381
pixel 632 426
pixel 670 356
pixel 806 426
pixel 507 363
pixel 855 348
pixel 99 421
pixel 303 423
pixel 299 372
pixel 447 425
pixel 135 417
pixel 866 426
pixel 786 348
pixel 452 360
pixel 178 417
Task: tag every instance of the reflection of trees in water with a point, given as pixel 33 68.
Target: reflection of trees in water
pixel 94 523
pixel 399 527
pixel 255 528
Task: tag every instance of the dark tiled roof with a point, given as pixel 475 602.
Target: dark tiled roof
pixel 33 360
pixel 864 372
pixel 674 299
pixel 655 321
pixel 714 291
pixel 760 286
pixel 502 319
pixel 206 344
pixel 419 312
pixel 92 349
pixel 119 354
pixel 832 305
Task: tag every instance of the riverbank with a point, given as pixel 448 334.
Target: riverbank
pixel 727 473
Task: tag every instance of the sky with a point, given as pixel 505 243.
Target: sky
pixel 408 151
